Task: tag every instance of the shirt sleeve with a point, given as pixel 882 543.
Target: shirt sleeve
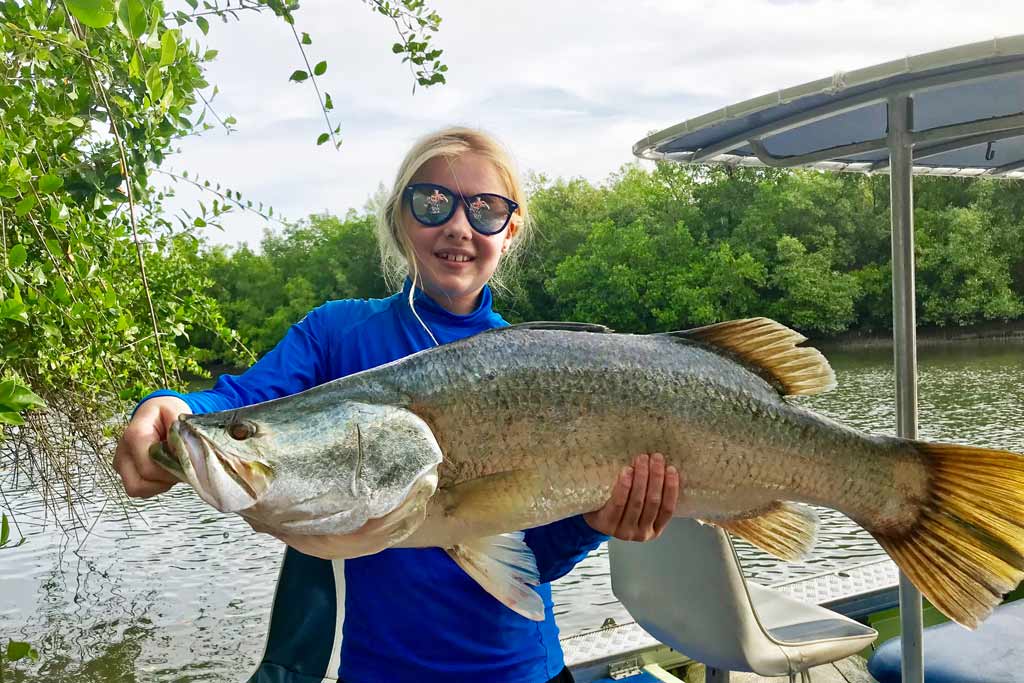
pixel 297 363
pixel 559 546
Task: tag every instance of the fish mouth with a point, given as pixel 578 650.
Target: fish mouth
pixel 224 480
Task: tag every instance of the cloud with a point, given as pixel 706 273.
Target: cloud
pixel 568 86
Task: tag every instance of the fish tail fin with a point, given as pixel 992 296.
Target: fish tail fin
pixel 966 548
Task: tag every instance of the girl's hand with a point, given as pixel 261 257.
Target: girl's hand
pixel 143 478
pixel 642 501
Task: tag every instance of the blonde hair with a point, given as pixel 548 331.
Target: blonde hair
pixel 396 253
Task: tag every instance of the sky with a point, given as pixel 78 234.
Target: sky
pixel 568 86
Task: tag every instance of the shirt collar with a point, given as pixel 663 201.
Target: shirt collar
pixel 431 311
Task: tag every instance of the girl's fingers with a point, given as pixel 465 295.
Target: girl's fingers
pixel 670 496
pixel 637 494
pixel 652 501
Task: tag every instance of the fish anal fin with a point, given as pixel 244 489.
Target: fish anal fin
pixel 772 350
pixel 505 567
pixel 785 530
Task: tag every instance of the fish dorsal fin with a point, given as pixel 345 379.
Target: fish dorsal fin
pixel 771 349
pixel 505 567
pixel 556 325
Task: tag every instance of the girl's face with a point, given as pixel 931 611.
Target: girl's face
pixel 454 261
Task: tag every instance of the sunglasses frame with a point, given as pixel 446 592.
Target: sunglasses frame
pixel 409 190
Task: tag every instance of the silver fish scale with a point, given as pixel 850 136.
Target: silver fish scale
pixel 572 408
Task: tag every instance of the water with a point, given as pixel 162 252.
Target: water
pixel 181 593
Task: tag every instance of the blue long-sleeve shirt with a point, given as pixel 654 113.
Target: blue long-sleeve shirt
pixel 403 615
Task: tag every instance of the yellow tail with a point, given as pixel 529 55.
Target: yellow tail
pixel 966 549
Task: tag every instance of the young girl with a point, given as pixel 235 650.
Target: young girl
pixel 455 217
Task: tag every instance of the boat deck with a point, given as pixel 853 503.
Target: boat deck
pixel 853 591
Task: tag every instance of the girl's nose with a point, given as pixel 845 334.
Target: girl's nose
pixel 458 226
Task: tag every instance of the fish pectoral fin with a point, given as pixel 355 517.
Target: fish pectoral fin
pixel 503 498
pixel 785 530
pixel 771 350
pixel 505 567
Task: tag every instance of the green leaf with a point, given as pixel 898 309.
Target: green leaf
pixel 18 255
pixel 320 69
pixel 210 54
pixel 135 66
pixel 306 40
pixel 328 102
pixel 11 419
pixel 92 13
pixel 50 183
pixel 75 121
pixel 5 530
pixel 131 18
pixel 203 25
pixel 298 76
pixel 16 397
pixel 154 83
pixel 13 310
pixel 398 48
pixel 168 48
pixel 24 206
pixel 324 137
pixel 17 650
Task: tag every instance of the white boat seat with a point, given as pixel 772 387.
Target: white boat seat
pixel 687 590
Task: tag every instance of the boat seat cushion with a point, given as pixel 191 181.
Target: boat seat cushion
pixel 994 653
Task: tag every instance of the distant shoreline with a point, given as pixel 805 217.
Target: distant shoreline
pixel 1012 331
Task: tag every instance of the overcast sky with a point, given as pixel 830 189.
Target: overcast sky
pixel 567 86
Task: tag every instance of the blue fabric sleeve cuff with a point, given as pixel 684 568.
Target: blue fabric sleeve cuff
pixel 588 536
pixel 164 392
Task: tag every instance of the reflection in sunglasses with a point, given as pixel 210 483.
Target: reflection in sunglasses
pixel 435 200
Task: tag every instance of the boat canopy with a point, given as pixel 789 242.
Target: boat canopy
pixel 967 114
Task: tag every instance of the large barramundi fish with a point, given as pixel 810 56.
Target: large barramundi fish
pixel 463 445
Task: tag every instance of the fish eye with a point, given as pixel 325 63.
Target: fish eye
pixel 240 431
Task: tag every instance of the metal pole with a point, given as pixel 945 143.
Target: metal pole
pixel 901 160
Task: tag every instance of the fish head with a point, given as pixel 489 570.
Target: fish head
pixel 306 465
pixel 210 453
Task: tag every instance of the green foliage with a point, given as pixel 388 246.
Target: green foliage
pixel 811 295
pixel 102 295
pixel 677 247
pixel 313 261
pixel 15 398
pixel 964 279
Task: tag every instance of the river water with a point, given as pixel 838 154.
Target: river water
pixel 177 592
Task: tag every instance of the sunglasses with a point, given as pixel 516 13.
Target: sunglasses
pixel 434 205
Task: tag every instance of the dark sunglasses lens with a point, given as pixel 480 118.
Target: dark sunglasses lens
pixel 488 213
pixel 432 205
